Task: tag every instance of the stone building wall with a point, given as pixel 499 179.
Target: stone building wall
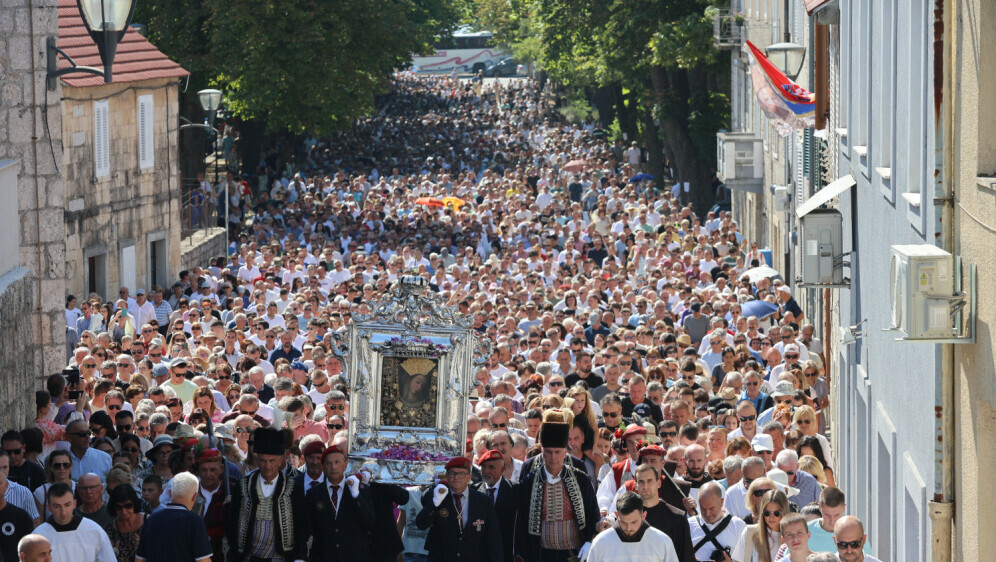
pixel 200 247
pixel 130 207
pixel 32 322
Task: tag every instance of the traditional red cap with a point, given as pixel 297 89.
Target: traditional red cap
pixel 208 455
pixel 333 449
pixel 458 462
pixel 634 429
pixel 313 448
pixel 491 455
pixel 652 450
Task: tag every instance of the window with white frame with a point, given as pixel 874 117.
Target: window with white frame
pixel 101 139
pixel 146 139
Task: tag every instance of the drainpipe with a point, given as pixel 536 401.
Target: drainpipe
pixel 942 505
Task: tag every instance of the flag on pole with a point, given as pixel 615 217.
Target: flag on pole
pixel 786 105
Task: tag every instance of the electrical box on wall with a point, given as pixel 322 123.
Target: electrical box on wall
pixel 823 253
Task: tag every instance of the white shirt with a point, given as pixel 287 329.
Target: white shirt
pixel 88 543
pixel 654 546
pixel 734 502
pixel 207 495
pixel 308 480
pixel 144 313
pixel 728 538
pixel 739 551
pixel 462 506
pixel 268 489
pixel 336 495
pixel 607 489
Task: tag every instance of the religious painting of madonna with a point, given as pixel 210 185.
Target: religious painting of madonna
pixel 408 391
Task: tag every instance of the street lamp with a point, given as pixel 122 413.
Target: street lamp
pixel 210 102
pixel 106 21
pixel 788 57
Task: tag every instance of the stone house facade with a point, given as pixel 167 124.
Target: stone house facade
pixel 122 200
pixel 32 255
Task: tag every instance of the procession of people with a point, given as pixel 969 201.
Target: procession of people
pixel 647 398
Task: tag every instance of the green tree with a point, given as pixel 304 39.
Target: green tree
pixel 654 57
pixel 297 65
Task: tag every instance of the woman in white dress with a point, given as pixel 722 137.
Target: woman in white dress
pixel 760 542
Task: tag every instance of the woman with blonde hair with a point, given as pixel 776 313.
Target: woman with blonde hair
pixel 813 466
pixel 806 422
pixel 760 542
pixel 119 474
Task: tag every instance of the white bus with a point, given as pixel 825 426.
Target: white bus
pixel 464 50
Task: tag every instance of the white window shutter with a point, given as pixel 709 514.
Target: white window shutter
pixel 146 143
pixel 127 267
pixel 101 139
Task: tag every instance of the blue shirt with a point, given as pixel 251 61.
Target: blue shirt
pixel 822 541
pixel 809 488
pixel 95 461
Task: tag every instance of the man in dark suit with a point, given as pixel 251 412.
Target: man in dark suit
pixel 385 542
pixel 557 510
pixel 502 494
pixel 462 522
pixel 337 515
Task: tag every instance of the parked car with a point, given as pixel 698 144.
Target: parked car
pixel 504 67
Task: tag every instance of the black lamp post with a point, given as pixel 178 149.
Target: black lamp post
pixel 106 21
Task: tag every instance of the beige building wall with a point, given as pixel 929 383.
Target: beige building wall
pixel 130 207
pixel 974 166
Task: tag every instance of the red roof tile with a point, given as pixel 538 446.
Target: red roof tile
pixel 811 5
pixel 136 58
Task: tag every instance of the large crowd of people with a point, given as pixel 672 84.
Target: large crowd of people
pixel 647 398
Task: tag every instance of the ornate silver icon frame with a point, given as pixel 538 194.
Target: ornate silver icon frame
pixel 410 363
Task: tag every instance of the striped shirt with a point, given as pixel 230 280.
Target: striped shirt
pixel 162 312
pixel 20 496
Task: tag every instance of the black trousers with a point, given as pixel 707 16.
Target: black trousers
pixel 555 555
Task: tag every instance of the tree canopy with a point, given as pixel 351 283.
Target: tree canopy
pixel 654 57
pixel 297 65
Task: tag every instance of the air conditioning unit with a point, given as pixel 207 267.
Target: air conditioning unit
pixel 922 291
pixel 782 198
pixel 739 156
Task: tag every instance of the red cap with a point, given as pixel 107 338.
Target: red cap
pixel 458 462
pixel 491 455
pixel 652 450
pixel 634 429
pixel 208 455
pixel 313 448
pixel 333 449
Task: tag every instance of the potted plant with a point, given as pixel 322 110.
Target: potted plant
pixel 738 18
